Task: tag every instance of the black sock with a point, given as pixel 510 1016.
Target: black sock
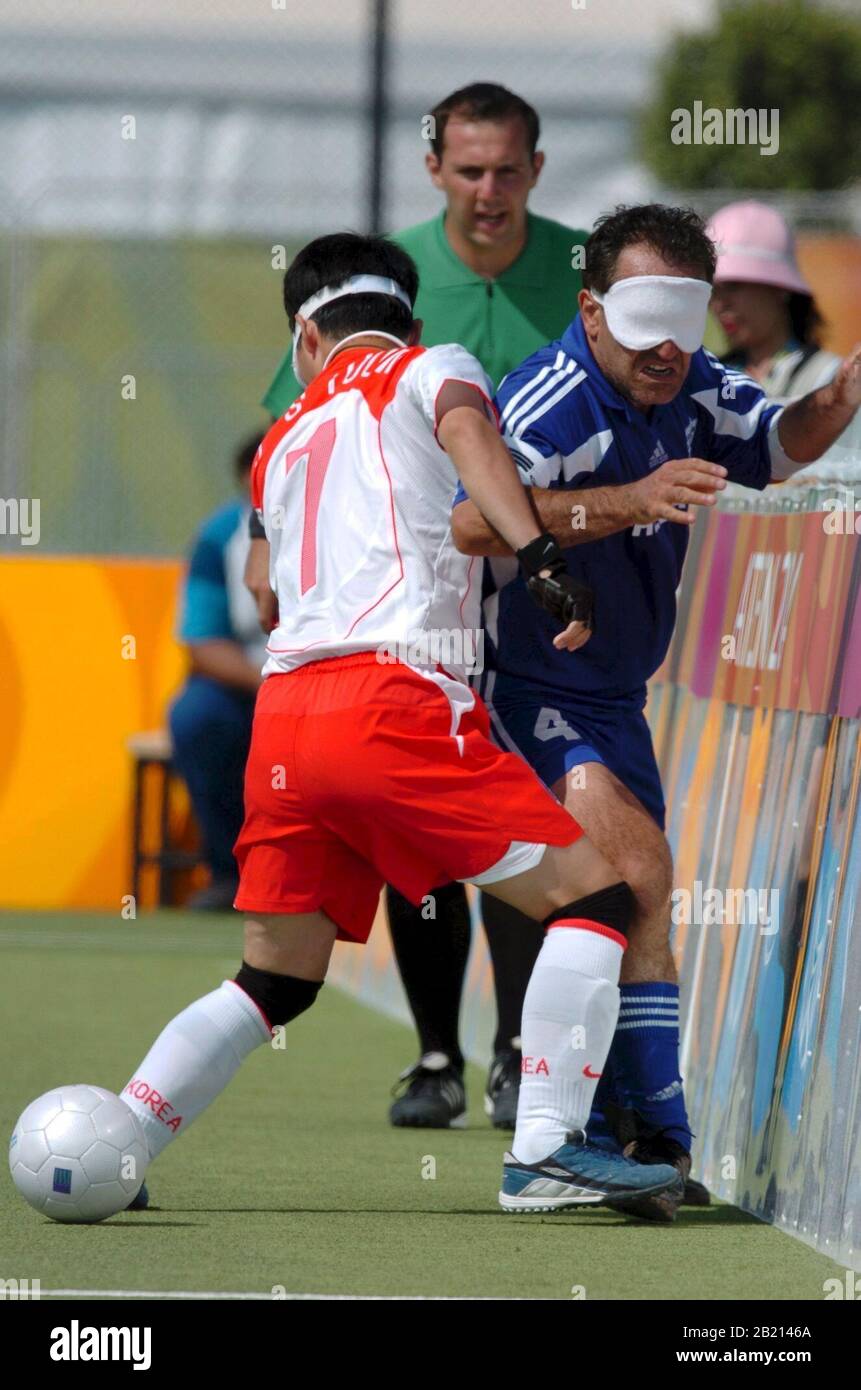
pixel 514 942
pixel 431 954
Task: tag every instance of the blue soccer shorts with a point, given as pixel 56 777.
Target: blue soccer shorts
pixel 555 734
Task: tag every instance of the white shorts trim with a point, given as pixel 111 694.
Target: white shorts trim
pixel 520 856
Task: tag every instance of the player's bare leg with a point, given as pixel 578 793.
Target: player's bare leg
pixel 643 1059
pixel 297 944
pixel 627 836
pixel 563 874
pixel 569 1018
pixel 193 1059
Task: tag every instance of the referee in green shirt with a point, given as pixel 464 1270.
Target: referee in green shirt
pixel 502 282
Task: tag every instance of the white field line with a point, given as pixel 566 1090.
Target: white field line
pixel 270 1298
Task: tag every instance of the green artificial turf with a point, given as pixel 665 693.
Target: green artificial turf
pixel 294 1180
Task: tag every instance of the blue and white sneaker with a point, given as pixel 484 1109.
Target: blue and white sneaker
pixel 581 1175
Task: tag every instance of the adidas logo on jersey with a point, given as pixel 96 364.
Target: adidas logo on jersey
pixel 659 456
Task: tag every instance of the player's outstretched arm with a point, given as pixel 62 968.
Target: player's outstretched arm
pixel 487 471
pixel 574 516
pixel 810 426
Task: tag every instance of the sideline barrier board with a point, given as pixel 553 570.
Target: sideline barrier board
pixel 761 757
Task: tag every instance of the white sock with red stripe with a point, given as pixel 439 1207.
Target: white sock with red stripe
pixel 569 1017
pixel 192 1060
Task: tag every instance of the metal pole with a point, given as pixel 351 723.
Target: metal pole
pixel 377 111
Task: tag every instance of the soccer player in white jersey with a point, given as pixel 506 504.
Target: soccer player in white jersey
pixel 366 769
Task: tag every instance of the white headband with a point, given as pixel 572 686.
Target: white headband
pixel 356 284
pixel 645 310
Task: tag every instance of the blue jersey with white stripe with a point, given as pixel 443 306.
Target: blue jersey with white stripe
pixel 567 427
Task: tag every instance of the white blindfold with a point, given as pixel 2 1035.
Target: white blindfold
pixel 646 310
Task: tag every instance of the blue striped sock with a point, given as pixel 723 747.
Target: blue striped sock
pixel 599 1130
pixel 645 1057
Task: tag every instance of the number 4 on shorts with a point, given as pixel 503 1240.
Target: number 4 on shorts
pixel 550 724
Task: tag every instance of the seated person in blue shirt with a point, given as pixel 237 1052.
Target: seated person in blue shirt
pixel 623 429
pixel 210 721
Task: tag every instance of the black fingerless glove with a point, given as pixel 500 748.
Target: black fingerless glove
pixel 558 594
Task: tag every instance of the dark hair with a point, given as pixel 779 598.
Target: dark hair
pixel 330 260
pixel 677 234
pixel 807 322
pixel 243 454
pixel 484 101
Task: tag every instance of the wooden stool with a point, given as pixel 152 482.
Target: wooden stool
pixel 154 750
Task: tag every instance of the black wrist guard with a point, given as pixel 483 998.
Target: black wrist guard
pixel 558 594
pixel 541 554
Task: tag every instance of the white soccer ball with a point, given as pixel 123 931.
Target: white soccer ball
pixel 78 1153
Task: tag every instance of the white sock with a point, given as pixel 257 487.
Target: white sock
pixel 569 1017
pixel 191 1062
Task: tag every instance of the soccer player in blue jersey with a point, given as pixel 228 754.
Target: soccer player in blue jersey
pixel 623 427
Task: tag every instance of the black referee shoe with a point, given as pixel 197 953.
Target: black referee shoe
pixel 434 1097
pixel 503 1089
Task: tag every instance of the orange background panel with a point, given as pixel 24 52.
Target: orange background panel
pixel 832 267
pixel 69 700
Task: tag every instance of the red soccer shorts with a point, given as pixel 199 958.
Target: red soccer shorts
pixel 363 773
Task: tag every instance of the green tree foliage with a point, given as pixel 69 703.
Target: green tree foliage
pixel 792 55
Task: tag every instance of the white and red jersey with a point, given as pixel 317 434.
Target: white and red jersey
pixel 355 494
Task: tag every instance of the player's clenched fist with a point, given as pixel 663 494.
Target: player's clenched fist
pixel 554 590
pixel 678 483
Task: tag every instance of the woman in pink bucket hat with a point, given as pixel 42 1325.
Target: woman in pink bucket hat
pixel 763 303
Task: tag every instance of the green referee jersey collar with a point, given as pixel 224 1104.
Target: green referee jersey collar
pixel 447 270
